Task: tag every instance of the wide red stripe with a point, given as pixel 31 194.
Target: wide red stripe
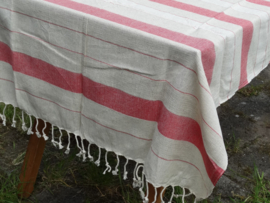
pixel 39 69
pixel 205 46
pixel 187 7
pixel 260 2
pixel 170 125
pixel 245 24
pixel 5 53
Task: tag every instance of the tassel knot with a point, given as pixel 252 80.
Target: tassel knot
pixel 84 156
pixel 43 133
pixel 97 162
pixel 109 168
pixel 79 154
pixel 13 124
pixel 37 132
pixel 115 172
pixel 13 119
pixel 4 121
pixel 67 151
pixel 142 193
pixel 89 155
pixel 146 200
pixel 135 183
pixel 24 128
pixel 30 132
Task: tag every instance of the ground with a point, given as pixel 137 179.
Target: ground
pixel 245 123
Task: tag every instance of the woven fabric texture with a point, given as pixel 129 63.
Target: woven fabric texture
pixel 141 78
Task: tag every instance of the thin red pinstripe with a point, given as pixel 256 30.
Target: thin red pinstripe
pixel 260 2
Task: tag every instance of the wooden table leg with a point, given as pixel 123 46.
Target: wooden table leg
pixel 32 161
pixel 152 193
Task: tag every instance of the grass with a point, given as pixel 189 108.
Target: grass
pixel 252 90
pixel 232 144
pixel 8 187
pixel 260 192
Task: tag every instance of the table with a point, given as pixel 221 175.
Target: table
pixel 141 78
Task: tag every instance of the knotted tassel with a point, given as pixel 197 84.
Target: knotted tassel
pixel 53 141
pixel 80 153
pixel 115 171
pixel 89 155
pixel 109 168
pixel 97 162
pixel 139 181
pixel 60 140
pixel 135 181
pixel 43 133
pixel 141 188
pixel 13 119
pixel 68 149
pixel 30 132
pixel 83 151
pixel 125 170
pixel 37 132
pixel 146 200
pixel 24 128
pixel 4 117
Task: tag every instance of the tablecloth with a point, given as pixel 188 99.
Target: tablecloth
pixel 141 78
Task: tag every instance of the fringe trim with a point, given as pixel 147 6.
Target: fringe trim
pixel 140 182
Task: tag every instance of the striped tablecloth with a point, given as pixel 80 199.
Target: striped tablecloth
pixel 141 78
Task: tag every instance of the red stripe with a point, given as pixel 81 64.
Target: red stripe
pixel 205 46
pixel 187 7
pixel 245 24
pixel 169 125
pixel 76 112
pixel 5 53
pixel 268 4
pixel 109 128
pixel 260 2
pixel 114 67
pixel 109 43
pixel 39 69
